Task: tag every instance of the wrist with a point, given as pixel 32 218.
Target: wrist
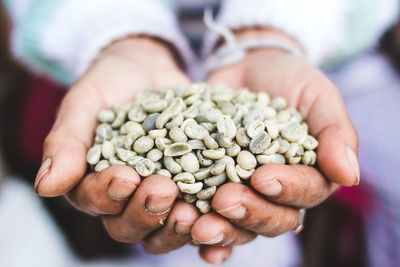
pixel 247 44
pixel 261 32
pixel 148 51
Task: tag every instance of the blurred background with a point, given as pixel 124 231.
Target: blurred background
pixel 335 232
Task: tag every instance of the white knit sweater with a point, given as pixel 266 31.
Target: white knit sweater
pixel 60 38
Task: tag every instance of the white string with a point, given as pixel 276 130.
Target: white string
pixel 232 51
pixel 226 33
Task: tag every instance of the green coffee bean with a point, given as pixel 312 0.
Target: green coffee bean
pixel 243 173
pixel 94 154
pixel 107 150
pixel 102 165
pixel 143 144
pixel 278 103
pixel 310 143
pixel 241 138
pixel 246 160
pixel 203 136
pixel 120 118
pixel 260 143
pixel 177 135
pixel 153 134
pixel 206 193
pixel 154 155
pixel 114 161
pixel 254 128
pixel 106 116
pixel 203 205
pixel 189 198
pixel 184 177
pixel 216 180
pixel 214 153
pixel 309 158
pixel 124 154
pixel 190 163
pixel 203 173
pixel 154 105
pixel 196 144
pixel 145 167
pixel 177 149
pixel 137 114
pixel 164 172
pixel 233 150
pixel 190 188
pixel 171 165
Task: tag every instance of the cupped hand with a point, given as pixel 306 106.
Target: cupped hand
pixel 271 206
pixel 117 75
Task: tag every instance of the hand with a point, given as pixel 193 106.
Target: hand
pixel 117 75
pixel 270 206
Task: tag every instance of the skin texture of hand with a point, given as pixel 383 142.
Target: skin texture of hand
pixel 270 206
pixel 133 211
pixel 120 71
pixel 139 63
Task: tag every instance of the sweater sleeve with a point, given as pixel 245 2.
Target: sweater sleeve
pixel 329 30
pixel 60 38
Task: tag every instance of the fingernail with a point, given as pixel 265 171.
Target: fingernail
pixel 221 260
pixel 271 188
pixel 213 241
pixel 44 169
pixel 235 212
pixel 158 205
pixel 183 228
pixel 354 164
pixel 120 189
pixel 195 242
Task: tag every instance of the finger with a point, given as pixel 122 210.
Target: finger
pixel 213 229
pixel 64 153
pixel 250 211
pixel 66 145
pixel 329 122
pixel 176 232
pixel 145 212
pixel 317 99
pixel 232 76
pixel 104 192
pixel 214 254
pixel 293 185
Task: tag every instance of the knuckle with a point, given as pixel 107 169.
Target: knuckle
pixel 257 226
pixel 49 140
pixel 273 234
pixel 314 188
pixel 113 233
pixel 185 212
pixel 99 203
pixel 119 232
pixel 152 247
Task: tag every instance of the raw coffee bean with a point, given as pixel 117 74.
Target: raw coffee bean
pixel 246 160
pixel 201 136
pixel 94 154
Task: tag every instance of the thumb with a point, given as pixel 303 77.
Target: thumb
pixel 65 148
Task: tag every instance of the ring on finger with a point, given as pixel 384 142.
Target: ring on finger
pixel 300 222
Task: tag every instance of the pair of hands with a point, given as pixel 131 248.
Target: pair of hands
pixel 147 212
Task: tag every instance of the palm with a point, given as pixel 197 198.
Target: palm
pixel 271 206
pixel 306 89
pixel 113 80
